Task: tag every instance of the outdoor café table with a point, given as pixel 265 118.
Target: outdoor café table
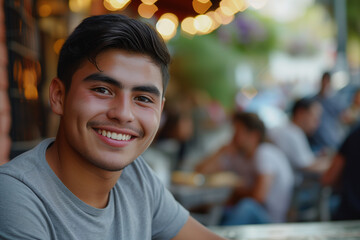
pixel 206 192
pixel 193 189
pixel 337 230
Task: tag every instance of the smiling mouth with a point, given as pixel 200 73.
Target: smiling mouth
pixel 114 135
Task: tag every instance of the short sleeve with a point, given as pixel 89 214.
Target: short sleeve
pixel 292 141
pixel 168 215
pixel 21 213
pixel 266 159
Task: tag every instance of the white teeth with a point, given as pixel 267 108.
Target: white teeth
pixel 113 135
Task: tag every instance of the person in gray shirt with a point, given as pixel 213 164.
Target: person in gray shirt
pixel 91 182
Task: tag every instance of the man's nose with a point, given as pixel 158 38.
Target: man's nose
pixel 121 109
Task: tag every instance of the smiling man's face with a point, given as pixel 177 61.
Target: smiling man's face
pixel 110 117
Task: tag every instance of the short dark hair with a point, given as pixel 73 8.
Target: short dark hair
pixel 304 103
pixel 96 34
pixel 252 122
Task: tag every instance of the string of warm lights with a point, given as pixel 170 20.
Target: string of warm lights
pixel 167 24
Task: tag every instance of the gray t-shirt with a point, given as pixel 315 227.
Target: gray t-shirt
pixel 35 204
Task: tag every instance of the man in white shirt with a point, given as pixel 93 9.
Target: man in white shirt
pixel 291 138
pixel 266 177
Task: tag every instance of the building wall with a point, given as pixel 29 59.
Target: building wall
pixel 5 115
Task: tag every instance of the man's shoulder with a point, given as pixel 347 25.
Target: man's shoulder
pixel 268 148
pixel 21 211
pixel 26 161
pixel 270 153
pixel 279 129
pixel 15 185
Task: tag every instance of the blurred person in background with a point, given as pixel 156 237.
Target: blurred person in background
pixel 343 175
pixel 264 193
pixel 330 131
pixel 175 132
pixel 307 167
pixel 292 139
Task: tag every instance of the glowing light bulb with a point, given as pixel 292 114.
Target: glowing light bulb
pixel 147 11
pixel 201 7
pixel 203 23
pixel 79 5
pixel 187 26
pixel 44 10
pixel 114 5
pixel 167 25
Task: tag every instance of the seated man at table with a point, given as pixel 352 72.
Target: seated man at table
pixel 291 138
pixel 267 180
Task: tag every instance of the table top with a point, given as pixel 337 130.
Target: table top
pixel 193 189
pixel 337 230
pixel 190 196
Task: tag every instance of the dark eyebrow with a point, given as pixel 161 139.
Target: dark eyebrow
pixel 149 89
pixel 103 78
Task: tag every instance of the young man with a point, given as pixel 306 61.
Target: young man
pixel 267 181
pixel 91 182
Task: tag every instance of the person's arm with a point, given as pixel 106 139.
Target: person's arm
pixel 319 165
pixel 195 230
pixel 258 192
pixel 334 171
pixel 211 164
pixel 262 187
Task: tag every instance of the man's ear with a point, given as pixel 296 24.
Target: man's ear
pixel 57 96
pixel 162 104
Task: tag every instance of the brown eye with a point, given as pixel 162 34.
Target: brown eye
pixel 143 99
pixel 101 90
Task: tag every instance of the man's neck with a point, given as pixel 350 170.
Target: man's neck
pixel 251 152
pixel 89 183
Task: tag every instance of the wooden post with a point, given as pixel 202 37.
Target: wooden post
pixel 5 115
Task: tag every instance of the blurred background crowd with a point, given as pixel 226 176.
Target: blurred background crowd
pixel 261 114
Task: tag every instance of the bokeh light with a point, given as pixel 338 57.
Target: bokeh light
pixel 201 7
pixel 147 11
pixel 44 10
pixel 187 26
pixel 115 5
pixel 203 24
pixel 167 25
pixel 58 44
